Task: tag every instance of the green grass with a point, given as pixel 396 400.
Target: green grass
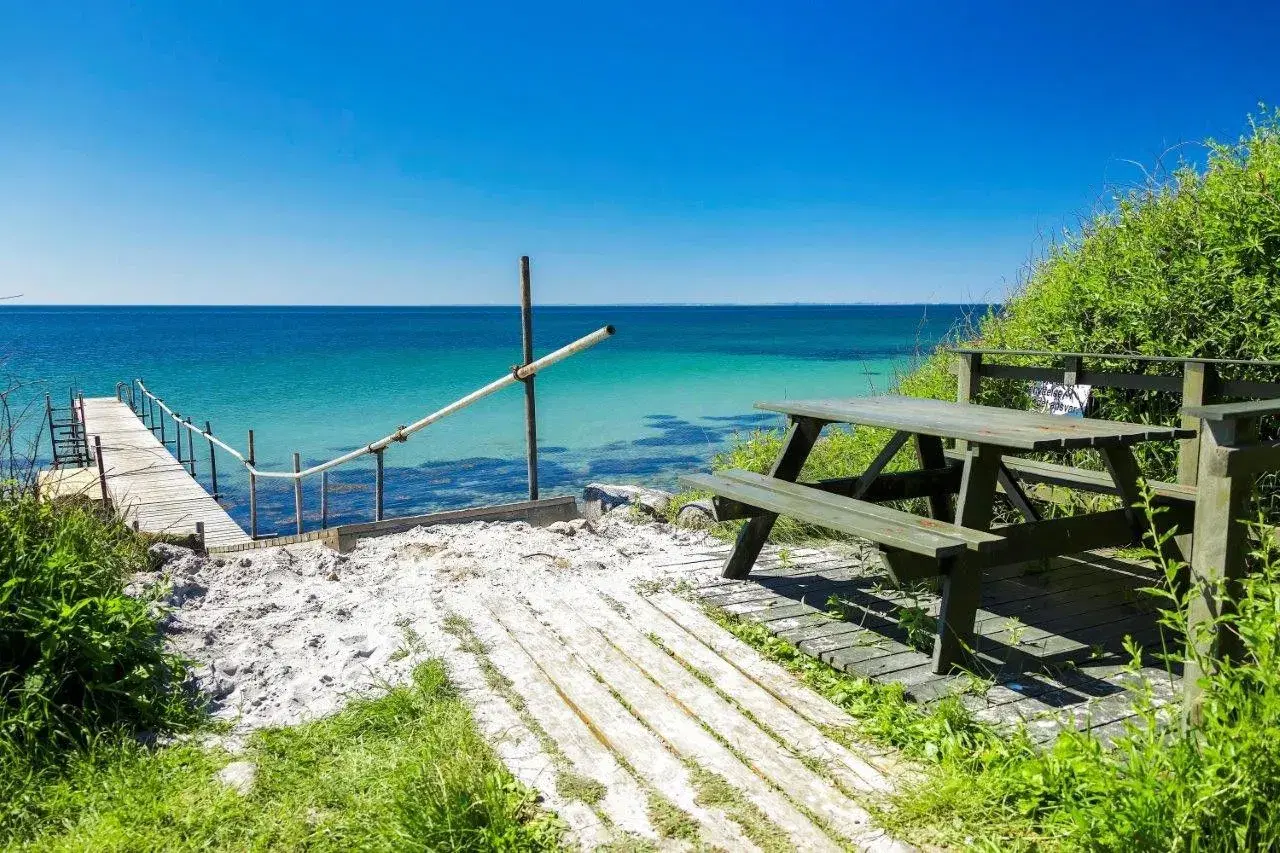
pixel 405 771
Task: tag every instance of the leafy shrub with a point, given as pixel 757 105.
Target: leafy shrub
pixel 77 655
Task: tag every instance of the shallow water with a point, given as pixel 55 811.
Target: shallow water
pixel 671 388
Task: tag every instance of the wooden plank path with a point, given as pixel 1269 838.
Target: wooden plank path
pixel 650 698
pixel 146 484
pixel 1050 637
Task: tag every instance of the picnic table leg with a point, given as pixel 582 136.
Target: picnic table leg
pixel 1127 476
pixel 930 455
pixel 962 585
pixel 796 447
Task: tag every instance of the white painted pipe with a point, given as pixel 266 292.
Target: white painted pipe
pixel 403 433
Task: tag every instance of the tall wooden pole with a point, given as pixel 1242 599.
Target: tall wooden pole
pixel 530 408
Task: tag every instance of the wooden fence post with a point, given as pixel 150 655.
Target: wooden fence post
pixel 530 409
pixel 1196 378
pixel 1220 545
pixel 200 542
pixel 968 382
pixel 297 490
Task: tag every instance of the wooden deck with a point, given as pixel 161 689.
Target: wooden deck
pixel 147 484
pixel 1050 638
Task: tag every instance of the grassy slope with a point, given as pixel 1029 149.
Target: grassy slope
pixel 406 771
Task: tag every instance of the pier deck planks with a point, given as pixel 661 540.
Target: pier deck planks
pixel 147 484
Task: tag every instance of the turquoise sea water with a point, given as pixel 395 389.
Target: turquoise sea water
pixel 672 387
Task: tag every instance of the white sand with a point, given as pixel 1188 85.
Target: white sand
pixel 287 634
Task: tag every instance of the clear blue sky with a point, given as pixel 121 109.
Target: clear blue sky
pixel 669 152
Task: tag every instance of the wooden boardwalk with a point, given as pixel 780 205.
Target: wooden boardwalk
pixel 1051 638
pixel 650 702
pixel 147 484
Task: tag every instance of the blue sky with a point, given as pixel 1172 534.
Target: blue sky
pixel 658 152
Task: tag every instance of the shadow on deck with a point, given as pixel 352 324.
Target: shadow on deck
pixel 1051 648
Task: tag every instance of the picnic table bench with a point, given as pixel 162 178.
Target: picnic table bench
pixel 954 544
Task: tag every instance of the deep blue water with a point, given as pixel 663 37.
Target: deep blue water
pixel 669 390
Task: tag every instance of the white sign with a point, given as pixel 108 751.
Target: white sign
pixel 1056 399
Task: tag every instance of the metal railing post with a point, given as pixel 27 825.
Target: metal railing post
pixel 297 490
pixel 213 460
pixel 163 441
pixel 177 435
pixel 377 487
pixel 324 500
pixel 102 470
pixel 530 408
pixel 253 493
pixel 191 447
pixel 53 439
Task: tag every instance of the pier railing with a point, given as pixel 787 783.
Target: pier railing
pixel 156 414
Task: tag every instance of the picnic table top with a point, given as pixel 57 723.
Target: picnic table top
pixel 989 425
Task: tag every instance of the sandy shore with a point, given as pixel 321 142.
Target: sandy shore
pixel 287 634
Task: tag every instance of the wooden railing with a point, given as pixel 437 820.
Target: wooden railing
pixel 156 414
pixel 1196 381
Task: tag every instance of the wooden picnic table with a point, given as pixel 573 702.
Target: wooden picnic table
pixel 958 543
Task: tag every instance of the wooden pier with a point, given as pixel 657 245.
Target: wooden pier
pixel 146 483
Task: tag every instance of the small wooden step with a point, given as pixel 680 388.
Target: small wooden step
pixel 883 525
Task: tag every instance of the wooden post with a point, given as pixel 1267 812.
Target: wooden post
pixel 253 493
pixel 530 409
pixel 200 543
pixel 968 382
pixel 324 500
pixel 1197 381
pixel 191 447
pixel 1196 378
pixel 377 487
pixel 102 470
pixel 53 439
pixel 213 460
pixel 297 490
pixel 1220 545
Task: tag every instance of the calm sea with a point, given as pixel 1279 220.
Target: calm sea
pixel 668 391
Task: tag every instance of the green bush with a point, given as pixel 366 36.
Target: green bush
pixel 77 655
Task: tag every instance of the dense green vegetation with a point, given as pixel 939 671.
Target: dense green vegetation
pixel 85 683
